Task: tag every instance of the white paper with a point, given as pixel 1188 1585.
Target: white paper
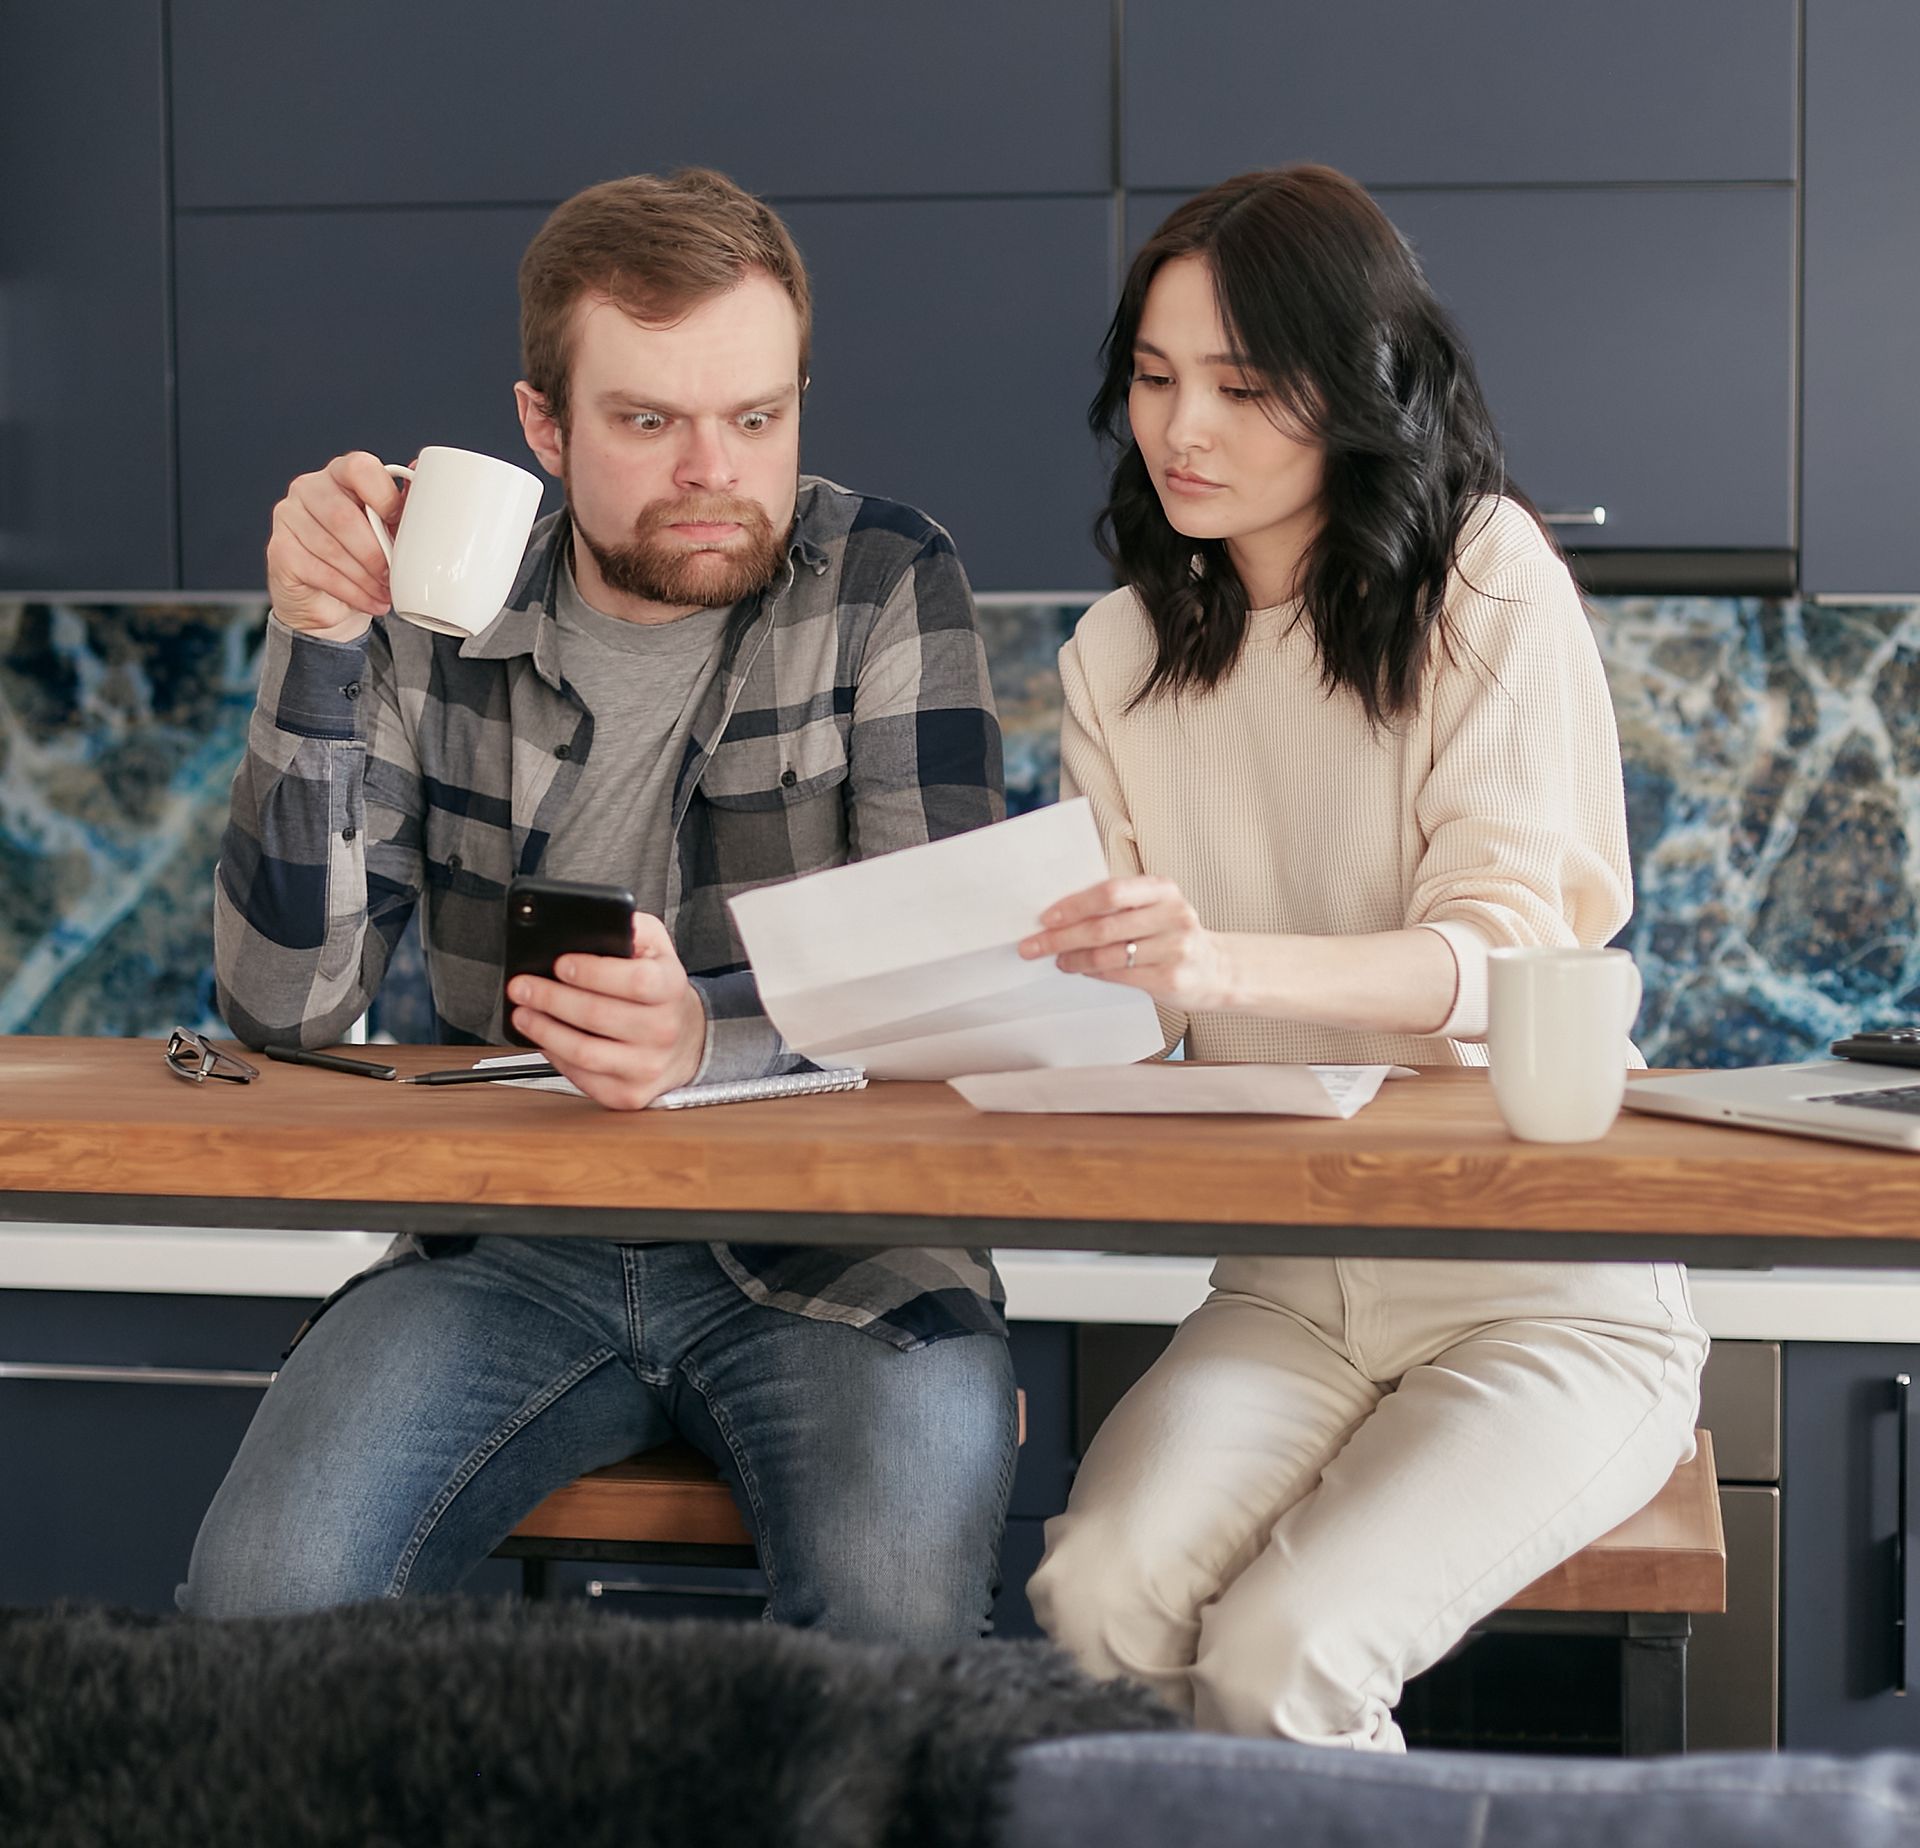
pixel 554 1082
pixel 909 964
pixel 1176 1088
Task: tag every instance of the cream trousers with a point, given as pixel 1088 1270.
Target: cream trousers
pixel 1339 1465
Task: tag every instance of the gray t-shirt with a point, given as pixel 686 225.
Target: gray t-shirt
pixel 643 683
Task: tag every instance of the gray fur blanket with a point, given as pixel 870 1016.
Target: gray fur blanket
pixel 455 1723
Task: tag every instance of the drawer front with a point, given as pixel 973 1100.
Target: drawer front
pixel 1733 1661
pixel 1740 1405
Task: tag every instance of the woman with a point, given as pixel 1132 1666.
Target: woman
pixel 1344 731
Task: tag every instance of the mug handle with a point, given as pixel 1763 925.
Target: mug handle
pixel 1633 1004
pixel 386 539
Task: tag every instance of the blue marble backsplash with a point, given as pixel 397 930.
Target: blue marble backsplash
pixel 1772 756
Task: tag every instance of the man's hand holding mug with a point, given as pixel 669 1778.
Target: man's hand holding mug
pixel 462 523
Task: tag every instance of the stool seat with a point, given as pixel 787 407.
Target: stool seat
pixel 671 1495
pixel 1642 1586
pixel 1671 1556
pixel 668 1496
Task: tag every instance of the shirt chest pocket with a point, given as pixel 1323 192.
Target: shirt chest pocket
pixel 779 771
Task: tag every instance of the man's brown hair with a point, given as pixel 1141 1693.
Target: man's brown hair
pixel 654 248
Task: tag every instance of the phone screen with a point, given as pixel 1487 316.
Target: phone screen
pixel 548 918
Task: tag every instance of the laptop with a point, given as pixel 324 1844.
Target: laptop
pixel 1839 1098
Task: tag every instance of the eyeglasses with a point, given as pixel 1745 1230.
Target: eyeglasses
pixel 193 1056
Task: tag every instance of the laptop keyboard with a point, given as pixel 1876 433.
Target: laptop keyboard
pixel 1904 1099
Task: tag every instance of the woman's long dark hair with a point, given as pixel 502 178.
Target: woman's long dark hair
pixel 1332 311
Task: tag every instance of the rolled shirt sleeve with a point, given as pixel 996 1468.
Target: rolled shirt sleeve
pixel 1523 812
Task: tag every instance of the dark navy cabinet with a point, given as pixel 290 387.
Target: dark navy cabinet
pixel 1477 93
pixel 1680 238
pixel 955 348
pixel 1636 346
pixel 86 443
pixel 1043 1360
pixel 954 351
pixel 306 334
pixel 1850 1549
pixel 118 1418
pixel 487 102
pixel 1860 528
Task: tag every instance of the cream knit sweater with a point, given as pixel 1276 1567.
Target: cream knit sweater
pixel 1494 814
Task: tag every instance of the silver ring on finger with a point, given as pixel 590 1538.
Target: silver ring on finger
pixel 1133 950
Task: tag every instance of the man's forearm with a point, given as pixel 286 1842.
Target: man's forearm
pixel 292 946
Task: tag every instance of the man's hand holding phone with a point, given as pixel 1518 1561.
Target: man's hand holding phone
pixel 624 1029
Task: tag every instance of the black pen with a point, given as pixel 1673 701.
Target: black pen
pixel 482 1074
pixel 331 1062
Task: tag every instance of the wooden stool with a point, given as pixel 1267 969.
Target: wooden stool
pixel 1642 1583
pixel 667 1506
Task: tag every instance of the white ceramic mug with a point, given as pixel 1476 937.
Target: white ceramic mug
pixel 462 535
pixel 1557 1025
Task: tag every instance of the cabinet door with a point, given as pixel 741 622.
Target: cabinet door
pixel 304 335
pixel 1861 454
pixel 118 1418
pixel 86 442
pixel 954 345
pixel 1480 92
pixel 1851 1599
pixel 1733 1661
pixel 955 348
pixel 1636 347
pixel 496 101
pixel 1043 1368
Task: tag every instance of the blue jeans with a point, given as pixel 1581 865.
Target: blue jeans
pixel 437 1400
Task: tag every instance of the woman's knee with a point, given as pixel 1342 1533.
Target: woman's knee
pixel 1294 1668
pixel 1113 1605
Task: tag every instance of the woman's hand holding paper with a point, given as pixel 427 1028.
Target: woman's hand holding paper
pixel 1139 932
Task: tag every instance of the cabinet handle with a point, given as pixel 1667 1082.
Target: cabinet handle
pixel 1903 1525
pixel 1577 516
pixel 133 1376
pixel 600 1588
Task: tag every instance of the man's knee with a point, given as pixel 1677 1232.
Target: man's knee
pixel 255 1557
pixel 912 1561
pixel 229 1578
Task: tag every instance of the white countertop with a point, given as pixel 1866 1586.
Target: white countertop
pixel 1042 1286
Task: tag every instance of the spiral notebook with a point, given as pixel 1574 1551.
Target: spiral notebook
pixel 691 1096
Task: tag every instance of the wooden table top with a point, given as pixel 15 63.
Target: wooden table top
pixel 93 1128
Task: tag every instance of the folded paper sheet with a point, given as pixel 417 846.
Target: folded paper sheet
pixel 1177 1088
pixel 909 964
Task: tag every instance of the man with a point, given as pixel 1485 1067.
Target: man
pixel 713 673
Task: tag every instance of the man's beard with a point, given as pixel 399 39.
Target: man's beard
pixel 661 568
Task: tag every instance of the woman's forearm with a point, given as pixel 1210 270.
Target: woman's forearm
pixel 1394 981
pixel 1139 930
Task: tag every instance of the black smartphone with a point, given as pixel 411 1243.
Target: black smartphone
pixel 548 918
pixel 1899 1046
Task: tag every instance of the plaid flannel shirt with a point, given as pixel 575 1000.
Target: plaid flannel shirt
pixel 851 715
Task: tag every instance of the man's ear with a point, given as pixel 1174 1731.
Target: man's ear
pixel 544 437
